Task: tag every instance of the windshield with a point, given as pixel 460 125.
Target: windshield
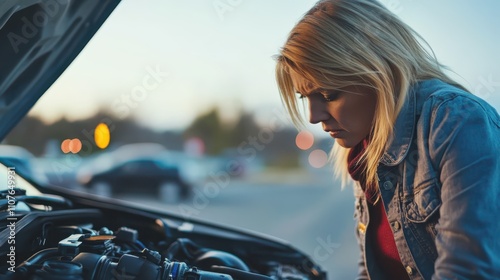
pixel 173 106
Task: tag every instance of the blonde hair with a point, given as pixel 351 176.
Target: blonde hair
pixel 340 43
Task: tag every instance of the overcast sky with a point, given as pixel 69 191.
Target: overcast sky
pixel 165 61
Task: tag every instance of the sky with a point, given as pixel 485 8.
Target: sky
pixel 164 62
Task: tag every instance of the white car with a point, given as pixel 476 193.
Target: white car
pixel 22 160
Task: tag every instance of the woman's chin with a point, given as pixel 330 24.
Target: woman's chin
pixel 346 143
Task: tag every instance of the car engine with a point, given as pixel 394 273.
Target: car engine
pixel 73 237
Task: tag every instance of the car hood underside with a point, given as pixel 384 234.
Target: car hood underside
pixel 38 40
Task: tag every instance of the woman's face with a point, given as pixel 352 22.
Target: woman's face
pixel 347 114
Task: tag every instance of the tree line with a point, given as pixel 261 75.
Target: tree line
pixel 243 136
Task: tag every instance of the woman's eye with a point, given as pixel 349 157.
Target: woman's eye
pixel 327 96
pixel 330 96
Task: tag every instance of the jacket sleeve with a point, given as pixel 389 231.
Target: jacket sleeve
pixel 464 145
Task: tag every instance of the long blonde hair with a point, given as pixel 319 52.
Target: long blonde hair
pixel 339 43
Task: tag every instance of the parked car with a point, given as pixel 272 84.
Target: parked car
pixel 145 175
pixel 21 159
pixel 51 232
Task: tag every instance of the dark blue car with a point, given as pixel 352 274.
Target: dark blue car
pixel 144 175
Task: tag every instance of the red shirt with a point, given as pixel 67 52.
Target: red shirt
pixel 379 233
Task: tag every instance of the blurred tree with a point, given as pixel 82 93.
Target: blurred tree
pixel 210 129
pixel 26 133
pixel 244 127
pixel 278 149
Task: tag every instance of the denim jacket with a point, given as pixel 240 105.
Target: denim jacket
pixel 440 185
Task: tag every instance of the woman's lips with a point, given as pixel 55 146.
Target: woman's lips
pixel 336 133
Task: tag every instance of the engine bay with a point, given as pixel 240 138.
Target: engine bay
pixel 75 237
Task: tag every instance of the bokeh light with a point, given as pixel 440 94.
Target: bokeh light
pixel 318 158
pixel 195 146
pixel 102 136
pixel 75 145
pixel 65 146
pixel 304 140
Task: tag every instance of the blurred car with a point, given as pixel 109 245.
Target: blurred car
pixel 147 175
pixel 22 160
pixel 52 232
pixel 109 158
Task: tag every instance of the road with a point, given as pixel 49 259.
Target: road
pixel 310 211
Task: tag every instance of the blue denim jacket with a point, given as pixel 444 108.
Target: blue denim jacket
pixel 440 185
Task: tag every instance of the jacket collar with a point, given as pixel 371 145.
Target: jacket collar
pixel 404 128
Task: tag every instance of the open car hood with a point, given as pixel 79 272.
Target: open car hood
pixel 38 40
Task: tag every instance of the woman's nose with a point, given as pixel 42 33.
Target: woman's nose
pixel 317 112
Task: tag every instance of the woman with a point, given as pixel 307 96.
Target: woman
pixel 424 153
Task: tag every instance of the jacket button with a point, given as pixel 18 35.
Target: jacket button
pixel 387 185
pixel 409 270
pixel 361 228
pixel 396 226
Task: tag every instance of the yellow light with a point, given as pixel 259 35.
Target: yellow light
pixel 102 136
